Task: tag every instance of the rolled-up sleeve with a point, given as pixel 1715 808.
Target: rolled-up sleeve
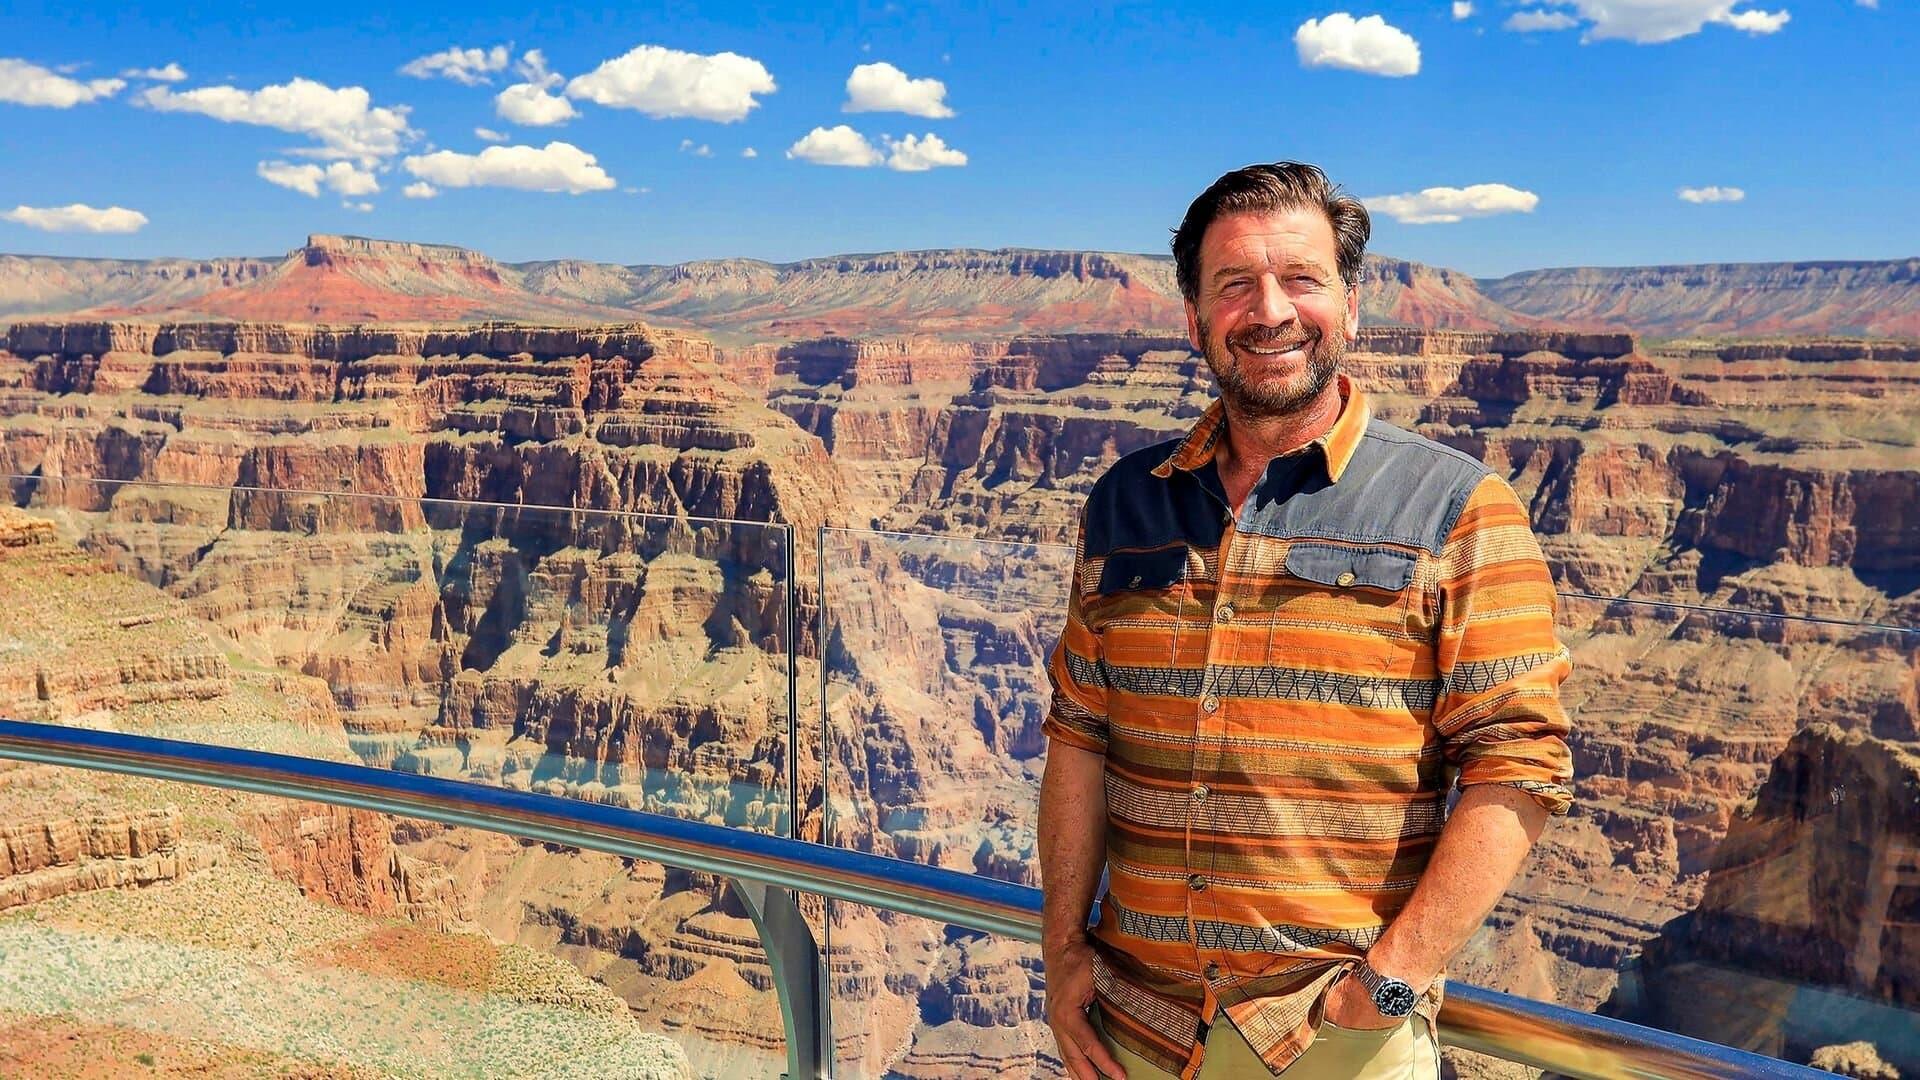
pixel 1078 713
pixel 1499 714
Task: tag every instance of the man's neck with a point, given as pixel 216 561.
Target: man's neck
pixel 1252 442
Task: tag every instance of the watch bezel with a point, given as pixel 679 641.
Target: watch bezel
pixel 1394 998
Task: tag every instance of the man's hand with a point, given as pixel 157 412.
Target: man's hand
pixel 1069 993
pixel 1351 1007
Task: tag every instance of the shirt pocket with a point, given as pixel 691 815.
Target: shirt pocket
pixel 1146 602
pixel 1344 608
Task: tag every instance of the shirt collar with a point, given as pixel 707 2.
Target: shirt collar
pixel 1337 446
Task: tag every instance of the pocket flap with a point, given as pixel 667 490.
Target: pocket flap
pixel 1125 571
pixel 1329 564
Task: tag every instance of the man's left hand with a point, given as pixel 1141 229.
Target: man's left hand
pixel 1351 1007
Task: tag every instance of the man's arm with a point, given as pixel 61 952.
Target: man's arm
pixel 1073 848
pixel 1500 723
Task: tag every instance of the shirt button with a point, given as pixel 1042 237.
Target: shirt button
pixel 1226 613
pixel 1200 793
pixel 1210 703
pixel 1196 882
pixel 1345 579
pixel 1135 583
pixel 1213 970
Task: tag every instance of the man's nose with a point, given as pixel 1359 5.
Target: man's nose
pixel 1272 306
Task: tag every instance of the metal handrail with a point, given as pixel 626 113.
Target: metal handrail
pixel 1546 1036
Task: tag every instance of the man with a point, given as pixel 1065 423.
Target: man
pixel 1290 633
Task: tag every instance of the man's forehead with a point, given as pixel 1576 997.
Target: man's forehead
pixel 1282 236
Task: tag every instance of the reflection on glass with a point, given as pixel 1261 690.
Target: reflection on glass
pixel 1741 864
pixel 620 658
pixel 274 937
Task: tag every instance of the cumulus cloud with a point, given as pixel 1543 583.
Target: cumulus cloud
pixel 884 88
pixel 1530 21
pixel 532 102
pixel 486 134
pixel 344 121
pixel 1440 205
pixel 23 83
pixel 664 83
pixel 340 177
pixel 837 145
pixel 1712 193
pixel 172 72
pixel 1366 45
pixel 557 166
pixel 702 150
pixel 77 217
pixel 1651 22
pixel 749 152
pixel 420 189
pixel 363 207
pixel 920 154
pixel 1462 9
pixel 468 67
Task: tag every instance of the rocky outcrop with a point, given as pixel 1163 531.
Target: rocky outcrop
pixel 46 858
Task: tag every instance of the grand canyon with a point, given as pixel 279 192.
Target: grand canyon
pixel 594 529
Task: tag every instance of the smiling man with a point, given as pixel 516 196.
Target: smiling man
pixel 1290 634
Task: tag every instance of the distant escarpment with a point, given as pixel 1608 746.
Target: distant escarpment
pixel 1746 299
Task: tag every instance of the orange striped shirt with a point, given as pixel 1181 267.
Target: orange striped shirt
pixel 1284 696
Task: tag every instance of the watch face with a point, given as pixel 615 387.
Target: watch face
pixel 1393 998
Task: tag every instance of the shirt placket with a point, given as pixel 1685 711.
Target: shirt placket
pixel 1210 725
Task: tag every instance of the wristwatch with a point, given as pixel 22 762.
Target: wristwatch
pixel 1391 996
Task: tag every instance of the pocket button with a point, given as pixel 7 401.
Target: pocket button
pixel 1345 579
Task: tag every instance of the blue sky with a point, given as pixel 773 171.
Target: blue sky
pixel 1089 128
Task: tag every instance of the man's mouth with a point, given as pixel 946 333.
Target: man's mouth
pixel 1272 348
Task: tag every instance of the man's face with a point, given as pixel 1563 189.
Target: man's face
pixel 1273 318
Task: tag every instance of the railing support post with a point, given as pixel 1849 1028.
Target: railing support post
pixel 799 977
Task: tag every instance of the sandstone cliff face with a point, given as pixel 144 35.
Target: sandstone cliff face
pixel 1874 298
pixel 1814 889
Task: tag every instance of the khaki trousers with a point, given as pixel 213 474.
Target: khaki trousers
pixel 1407 1052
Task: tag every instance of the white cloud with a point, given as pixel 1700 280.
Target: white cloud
pixel 1366 45
pixel 532 103
pixel 344 121
pixel 485 134
pixel 1712 193
pixel 687 146
pixel 171 73
pixel 557 166
pixel 1462 9
pixel 920 154
pixel 340 177
pixel 78 217
pixel 749 152
pixel 1651 22
pixel 1529 21
pixel 23 83
pixel 837 145
pixel 420 189
pixel 468 67
pixel 363 207
pixel 1440 205
pixel 669 83
pixel 1875 4
pixel 882 87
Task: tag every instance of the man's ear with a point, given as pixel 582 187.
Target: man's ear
pixel 1193 329
pixel 1353 312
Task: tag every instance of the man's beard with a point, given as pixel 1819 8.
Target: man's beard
pixel 1258 400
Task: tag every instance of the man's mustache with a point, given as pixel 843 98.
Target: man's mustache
pixel 1269 338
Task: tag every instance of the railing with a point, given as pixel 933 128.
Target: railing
pixel 1545 1036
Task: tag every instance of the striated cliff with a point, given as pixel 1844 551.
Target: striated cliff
pixel 1745 299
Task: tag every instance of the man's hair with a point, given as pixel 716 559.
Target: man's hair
pixel 1266 189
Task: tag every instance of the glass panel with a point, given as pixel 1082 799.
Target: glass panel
pixel 147 925
pixel 1740 865
pixel 620 658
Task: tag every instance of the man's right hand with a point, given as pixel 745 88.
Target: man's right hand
pixel 1069 995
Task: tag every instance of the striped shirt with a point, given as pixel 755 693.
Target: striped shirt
pixel 1283 697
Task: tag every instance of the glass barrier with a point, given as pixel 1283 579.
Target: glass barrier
pixel 275 937
pixel 1742 864
pixel 637 660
